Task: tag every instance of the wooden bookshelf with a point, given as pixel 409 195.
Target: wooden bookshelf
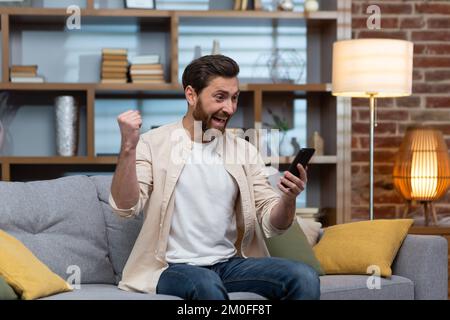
pixel 106 87
pixel 249 14
pixel 331 114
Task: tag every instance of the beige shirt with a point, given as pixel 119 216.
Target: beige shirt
pixel 160 156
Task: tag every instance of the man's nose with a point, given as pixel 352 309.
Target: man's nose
pixel 228 107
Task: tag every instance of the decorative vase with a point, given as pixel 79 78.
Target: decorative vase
pixel 216 47
pixel 66 126
pixel 286 5
pixel 286 148
pixel 317 143
pixel 197 52
pixel 311 5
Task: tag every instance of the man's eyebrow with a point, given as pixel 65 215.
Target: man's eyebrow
pixel 226 92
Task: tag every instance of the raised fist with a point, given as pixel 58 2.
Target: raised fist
pixel 130 123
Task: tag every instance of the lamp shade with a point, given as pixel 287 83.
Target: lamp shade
pixel 422 166
pixel 381 67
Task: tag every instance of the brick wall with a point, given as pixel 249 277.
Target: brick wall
pixel 427 24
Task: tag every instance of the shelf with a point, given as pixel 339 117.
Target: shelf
pixel 280 87
pixel 319 15
pixel 129 87
pixel 59 15
pixel 47 86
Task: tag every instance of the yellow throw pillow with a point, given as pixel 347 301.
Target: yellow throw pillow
pixel 29 277
pixel 354 247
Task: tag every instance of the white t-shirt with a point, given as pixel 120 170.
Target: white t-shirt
pixel 203 229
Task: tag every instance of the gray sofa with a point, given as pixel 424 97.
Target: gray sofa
pixel 68 224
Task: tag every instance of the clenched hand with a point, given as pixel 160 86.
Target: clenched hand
pixel 130 123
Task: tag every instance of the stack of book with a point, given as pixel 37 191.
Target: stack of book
pixel 309 213
pixel 114 65
pixel 146 69
pixel 25 74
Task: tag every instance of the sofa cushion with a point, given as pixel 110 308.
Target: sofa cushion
pixel 111 292
pixel 6 292
pixel 362 247
pixel 29 277
pixel 294 245
pixel 106 292
pixel 121 232
pixel 354 287
pixel 62 223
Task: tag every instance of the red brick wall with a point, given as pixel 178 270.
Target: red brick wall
pixel 427 24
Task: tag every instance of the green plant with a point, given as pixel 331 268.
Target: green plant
pixel 278 123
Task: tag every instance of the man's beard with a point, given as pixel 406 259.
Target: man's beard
pixel 199 114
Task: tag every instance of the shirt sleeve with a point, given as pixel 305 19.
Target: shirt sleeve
pixel 266 198
pixel 145 180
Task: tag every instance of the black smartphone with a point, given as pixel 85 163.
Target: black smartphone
pixel 303 157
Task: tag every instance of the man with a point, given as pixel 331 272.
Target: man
pixel 201 236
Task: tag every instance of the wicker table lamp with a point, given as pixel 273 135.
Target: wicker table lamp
pixel 422 169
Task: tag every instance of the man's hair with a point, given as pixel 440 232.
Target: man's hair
pixel 201 71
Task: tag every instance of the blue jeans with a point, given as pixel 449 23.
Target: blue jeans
pixel 273 278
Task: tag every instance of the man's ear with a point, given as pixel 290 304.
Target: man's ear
pixel 191 96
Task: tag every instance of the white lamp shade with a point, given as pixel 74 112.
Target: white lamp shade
pixel 382 67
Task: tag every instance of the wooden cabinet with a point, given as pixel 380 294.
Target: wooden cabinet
pixel 329 175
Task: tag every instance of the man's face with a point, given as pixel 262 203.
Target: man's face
pixel 217 103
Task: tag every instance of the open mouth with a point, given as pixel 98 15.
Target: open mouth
pixel 219 121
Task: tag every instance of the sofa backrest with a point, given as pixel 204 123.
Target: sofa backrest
pixel 121 232
pixel 62 222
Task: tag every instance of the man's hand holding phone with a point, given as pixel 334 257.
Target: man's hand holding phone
pixel 294 180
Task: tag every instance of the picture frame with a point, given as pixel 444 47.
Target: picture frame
pixel 140 4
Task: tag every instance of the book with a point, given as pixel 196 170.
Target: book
pixel 237 4
pixel 147 81
pixel 115 64
pixel 144 77
pixel 114 75
pixel 113 81
pixel 149 59
pixel 244 5
pixel 156 71
pixel 146 66
pixel 114 57
pixel 23 74
pixel 114 51
pixel 19 68
pixel 115 69
pixel 27 79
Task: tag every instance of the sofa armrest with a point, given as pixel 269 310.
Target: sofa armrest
pixel 424 260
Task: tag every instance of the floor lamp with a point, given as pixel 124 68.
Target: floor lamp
pixel 372 68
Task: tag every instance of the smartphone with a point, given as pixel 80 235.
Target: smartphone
pixel 303 157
